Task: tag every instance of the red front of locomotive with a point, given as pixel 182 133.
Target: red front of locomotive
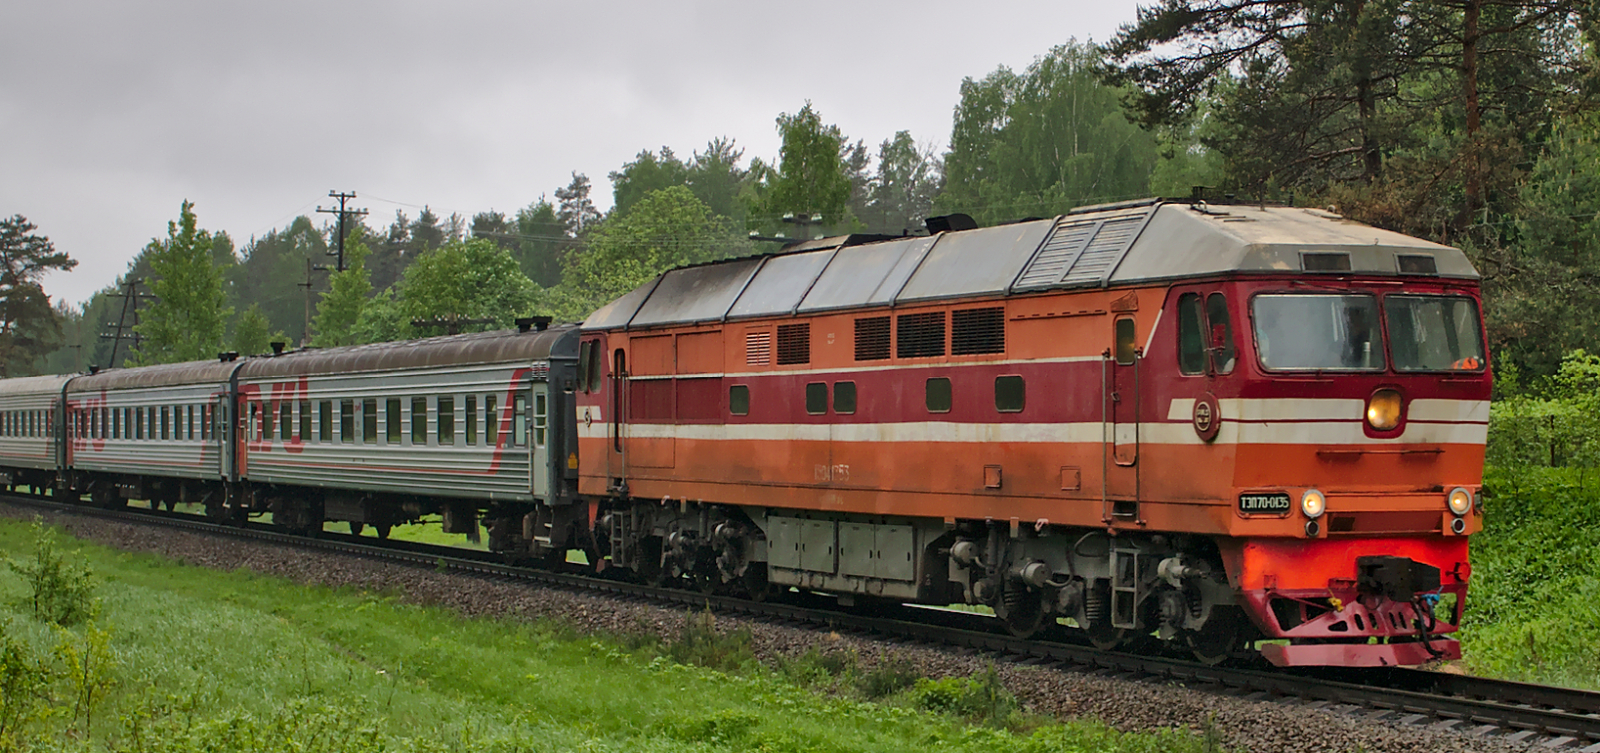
pixel 1358 413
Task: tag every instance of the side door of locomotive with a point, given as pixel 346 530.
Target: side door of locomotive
pixel 1121 395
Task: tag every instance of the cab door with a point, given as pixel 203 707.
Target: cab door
pixel 1120 425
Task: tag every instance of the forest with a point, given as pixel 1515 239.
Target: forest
pixel 1467 122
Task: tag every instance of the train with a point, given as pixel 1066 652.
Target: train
pixel 1242 432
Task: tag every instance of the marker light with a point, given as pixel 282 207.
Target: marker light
pixel 1312 503
pixel 1383 409
pixel 1460 500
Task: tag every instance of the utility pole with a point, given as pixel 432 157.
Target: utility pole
pixel 343 213
pixel 130 304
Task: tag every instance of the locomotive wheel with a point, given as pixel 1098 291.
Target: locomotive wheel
pixel 1224 633
pixel 1022 611
pixel 1105 637
pixel 755 582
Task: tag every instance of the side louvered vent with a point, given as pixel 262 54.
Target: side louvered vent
pixel 872 338
pixel 974 331
pixel 920 335
pixel 794 343
pixel 758 348
pixel 1083 250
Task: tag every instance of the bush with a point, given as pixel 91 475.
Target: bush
pixel 701 643
pixel 24 679
pixel 889 677
pixel 980 698
pixel 61 592
pixel 818 667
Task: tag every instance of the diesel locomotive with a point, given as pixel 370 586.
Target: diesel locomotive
pixel 1240 430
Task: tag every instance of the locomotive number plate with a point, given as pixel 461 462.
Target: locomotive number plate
pixel 1273 503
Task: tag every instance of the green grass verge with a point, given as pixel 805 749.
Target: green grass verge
pixel 180 658
pixel 1533 608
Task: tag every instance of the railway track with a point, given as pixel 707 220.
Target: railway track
pixel 1549 717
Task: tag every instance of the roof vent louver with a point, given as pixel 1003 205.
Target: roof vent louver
pixel 1084 250
pixel 1417 264
pixel 1325 261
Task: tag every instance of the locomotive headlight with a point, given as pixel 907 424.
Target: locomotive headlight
pixel 1383 409
pixel 1312 503
pixel 1460 500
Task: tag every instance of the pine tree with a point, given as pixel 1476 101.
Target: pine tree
pixel 340 308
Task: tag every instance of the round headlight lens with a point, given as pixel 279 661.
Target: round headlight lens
pixel 1383 410
pixel 1313 504
pixel 1460 500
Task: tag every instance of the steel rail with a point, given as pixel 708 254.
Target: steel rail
pixel 1554 717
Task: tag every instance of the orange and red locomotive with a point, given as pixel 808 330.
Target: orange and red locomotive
pixel 1215 424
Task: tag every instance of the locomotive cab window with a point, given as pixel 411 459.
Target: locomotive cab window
pixel 1191 335
pixel 1219 334
pixel 938 395
pixel 739 399
pixel 1317 332
pixel 1205 335
pixel 1434 333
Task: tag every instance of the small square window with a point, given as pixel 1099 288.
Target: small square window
pixel 739 400
pixel 1010 394
pixel 844 397
pixel 938 395
pixel 817 398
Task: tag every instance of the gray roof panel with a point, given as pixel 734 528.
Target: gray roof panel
pixel 975 262
pixel 781 283
pixel 616 314
pixel 696 294
pixel 867 275
pixel 49 384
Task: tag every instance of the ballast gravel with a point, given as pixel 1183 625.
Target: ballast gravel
pixel 1244 725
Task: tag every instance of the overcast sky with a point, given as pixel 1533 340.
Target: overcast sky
pixel 112 113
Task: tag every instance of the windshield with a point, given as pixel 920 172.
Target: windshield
pixel 1318 331
pixel 1434 333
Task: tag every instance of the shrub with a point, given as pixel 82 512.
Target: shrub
pixel 889 677
pixel 61 592
pixel 23 684
pixel 980 698
pixel 701 643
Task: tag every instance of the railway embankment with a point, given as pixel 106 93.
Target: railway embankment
pixel 209 636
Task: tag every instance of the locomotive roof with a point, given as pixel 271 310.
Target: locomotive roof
pixel 1101 246
pixel 499 346
pixel 49 384
pixel 164 375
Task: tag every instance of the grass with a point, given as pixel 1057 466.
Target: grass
pixel 197 660
pixel 1533 608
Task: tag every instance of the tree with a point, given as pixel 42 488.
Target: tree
pixel 644 174
pixel 665 229
pixel 252 333
pixel 466 279
pixel 1038 143
pixel 389 259
pixel 718 181
pixel 1406 113
pixel 811 176
pixel 270 275
pixel 186 320
pixel 426 234
pixel 29 326
pixel 493 227
pixel 574 207
pixel 900 194
pixel 340 308
pixel 541 243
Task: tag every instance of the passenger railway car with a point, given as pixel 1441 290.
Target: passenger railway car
pixel 30 430
pixel 1215 424
pixel 466 426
